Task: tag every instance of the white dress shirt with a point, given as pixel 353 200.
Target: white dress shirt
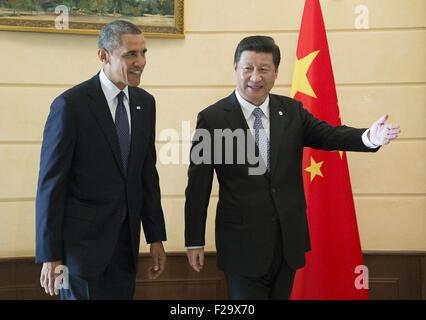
pixel 111 91
pixel 248 108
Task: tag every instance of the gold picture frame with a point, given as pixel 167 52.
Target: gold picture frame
pixel 156 18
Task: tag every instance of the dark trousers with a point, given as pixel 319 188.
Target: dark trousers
pixel 276 284
pixel 117 282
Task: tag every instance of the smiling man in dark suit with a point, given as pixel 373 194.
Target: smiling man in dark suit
pixel 98 179
pixel 261 225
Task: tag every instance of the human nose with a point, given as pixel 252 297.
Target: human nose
pixel 255 76
pixel 140 60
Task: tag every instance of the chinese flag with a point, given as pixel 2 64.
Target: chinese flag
pixel 333 265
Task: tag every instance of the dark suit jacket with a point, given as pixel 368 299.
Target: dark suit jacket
pixel 83 193
pixel 249 205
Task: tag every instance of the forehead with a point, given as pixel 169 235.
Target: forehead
pixel 132 42
pixel 256 57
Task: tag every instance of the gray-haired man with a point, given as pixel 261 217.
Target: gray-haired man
pixel 98 180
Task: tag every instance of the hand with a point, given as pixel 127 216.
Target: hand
pixel 48 277
pixel 196 258
pixel 159 258
pixel 381 133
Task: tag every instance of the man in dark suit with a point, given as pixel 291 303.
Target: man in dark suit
pixel 98 179
pixel 261 225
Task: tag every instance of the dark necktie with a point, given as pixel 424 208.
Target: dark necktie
pixel 260 136
pixel 123 130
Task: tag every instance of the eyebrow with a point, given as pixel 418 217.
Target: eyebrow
pixel 134 51
pixel 260 66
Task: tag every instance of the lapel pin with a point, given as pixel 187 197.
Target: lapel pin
pixel 280 113
pixel 138 107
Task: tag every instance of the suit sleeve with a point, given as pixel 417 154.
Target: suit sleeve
pixel 200 179
pixel 57 150
pixel 152 212
pixel 321 135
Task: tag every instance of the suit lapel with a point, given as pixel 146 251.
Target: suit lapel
pixel 237 120
pixel 235 116
pixel 140 124
pixel 102 113
pixel 278 122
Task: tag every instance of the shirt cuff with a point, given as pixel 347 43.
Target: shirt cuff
pixel 367 141
pixel 195 247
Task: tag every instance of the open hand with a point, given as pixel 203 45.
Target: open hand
pixel 382 133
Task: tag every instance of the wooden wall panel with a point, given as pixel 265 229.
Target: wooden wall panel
pixel 393 275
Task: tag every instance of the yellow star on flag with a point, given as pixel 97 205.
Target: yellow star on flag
pixel 314 169
pixel 300 79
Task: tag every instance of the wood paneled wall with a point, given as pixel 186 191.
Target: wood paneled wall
pixel 392 275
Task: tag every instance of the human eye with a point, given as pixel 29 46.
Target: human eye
pixel 130 54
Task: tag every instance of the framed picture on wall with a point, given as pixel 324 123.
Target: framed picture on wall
pixel 157 18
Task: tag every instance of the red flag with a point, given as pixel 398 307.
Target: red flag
pixel 334 266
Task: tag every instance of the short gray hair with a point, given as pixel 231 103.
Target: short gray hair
pixel 110 35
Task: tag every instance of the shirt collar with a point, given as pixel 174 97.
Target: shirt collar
pixel 248 108
pixel 110 89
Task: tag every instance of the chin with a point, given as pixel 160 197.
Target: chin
pixel 255 96
pixel 134 83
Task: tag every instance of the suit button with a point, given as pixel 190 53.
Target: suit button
pixel 274 219
pixel 273 190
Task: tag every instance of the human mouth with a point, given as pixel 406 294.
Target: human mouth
pixel 136 72
pixel 255 87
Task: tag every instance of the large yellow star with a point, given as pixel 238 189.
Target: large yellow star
pixel 314 169
pixel 300 79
